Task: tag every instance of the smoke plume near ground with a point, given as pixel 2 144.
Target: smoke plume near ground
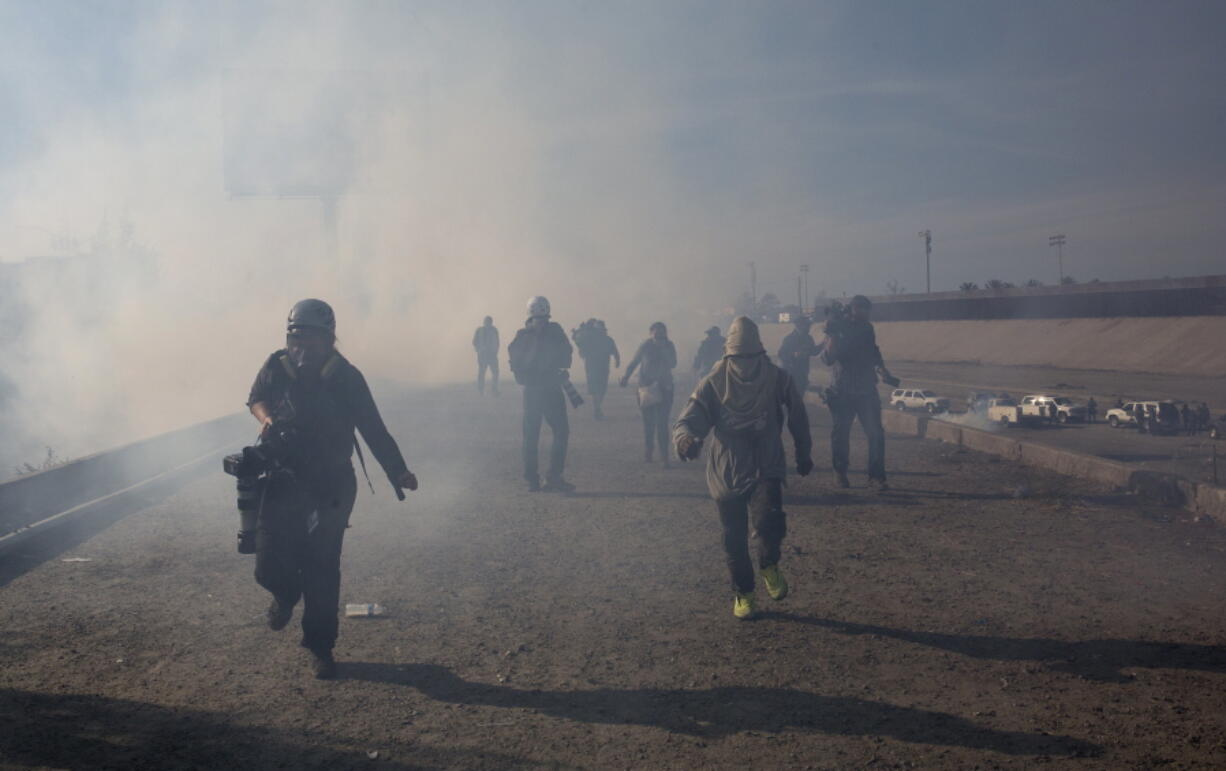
pixel 456 203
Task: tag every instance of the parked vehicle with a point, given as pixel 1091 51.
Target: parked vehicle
pixel 1004 411
pixel 977 401
pixel 1134 413
pixel 914 399
pixel 1038 407
pixel 1217 427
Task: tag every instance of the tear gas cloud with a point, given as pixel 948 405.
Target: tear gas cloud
pixel 399 165
pixel 198 167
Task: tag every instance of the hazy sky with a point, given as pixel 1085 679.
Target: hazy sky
pixel 822 132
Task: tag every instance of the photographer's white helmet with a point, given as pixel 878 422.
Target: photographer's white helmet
pixel 538 306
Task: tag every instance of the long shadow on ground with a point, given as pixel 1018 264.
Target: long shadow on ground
pixel 1100 660
pixel 94 732
pixel 718 712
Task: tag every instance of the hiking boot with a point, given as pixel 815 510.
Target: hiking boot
pixel 742 605
pixel 840 480
pixel 323 665
pixel 776 584
pixel 534 485
pixel 279 615
pixel 558 485
pixel 879 484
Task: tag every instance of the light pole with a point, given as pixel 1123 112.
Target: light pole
pixel 927 236
pixel 753 284
pixel 804 272
pixel 1058 242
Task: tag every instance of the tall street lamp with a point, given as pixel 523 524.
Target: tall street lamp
pixel 927 236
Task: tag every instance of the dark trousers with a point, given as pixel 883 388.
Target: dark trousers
pixel 547 403
pixel 656 426
pixel 844 409
pixel 770 526
pixel 490 363
pixel 298 549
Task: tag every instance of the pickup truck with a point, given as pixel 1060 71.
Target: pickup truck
pixel 1131 412
pixel 1003 411
pixel 1038 407
pixel 914 399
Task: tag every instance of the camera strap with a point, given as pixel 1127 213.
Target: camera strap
pixel 362 462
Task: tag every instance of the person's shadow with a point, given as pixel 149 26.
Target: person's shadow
pixel 1101 660
pixel 721 711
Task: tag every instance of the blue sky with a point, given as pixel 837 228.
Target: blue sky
pixel 707 134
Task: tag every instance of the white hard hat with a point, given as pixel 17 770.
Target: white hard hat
pixel 538 306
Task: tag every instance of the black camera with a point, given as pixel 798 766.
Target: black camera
pixel 837 316
pixel 251 469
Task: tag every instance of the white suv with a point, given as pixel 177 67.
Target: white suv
pixel 1038 407
pixel 912 399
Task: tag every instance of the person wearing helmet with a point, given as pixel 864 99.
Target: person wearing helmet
pixel 850 348
pixel 540 356
pixel 486 344
pixel 796 351
pixel 743 400
pixel 657 357
pixel 710 351
pixel 311 399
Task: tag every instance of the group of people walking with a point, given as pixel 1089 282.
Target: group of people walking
pixel 310 401
pixel 741 398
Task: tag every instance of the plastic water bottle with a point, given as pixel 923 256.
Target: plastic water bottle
pixel 363 610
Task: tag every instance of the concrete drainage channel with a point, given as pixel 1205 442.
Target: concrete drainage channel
pixel 1201 499
pixel 35 504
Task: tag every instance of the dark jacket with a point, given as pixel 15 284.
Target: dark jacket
pixel 656 359
pixel 854 356
pixel 710 350
pixel 540 356
pixel 485 341
pixel 739 459
pixel 798 347
pixel 325 411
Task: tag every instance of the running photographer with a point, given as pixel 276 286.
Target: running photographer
pixel 851 350
pixel 309 399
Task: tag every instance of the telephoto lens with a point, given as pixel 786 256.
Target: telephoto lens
pixel 250 490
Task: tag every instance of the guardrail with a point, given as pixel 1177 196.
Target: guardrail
pixel 29 502
pixel 1200 498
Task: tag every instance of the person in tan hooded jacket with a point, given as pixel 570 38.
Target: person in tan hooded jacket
pixel 743 401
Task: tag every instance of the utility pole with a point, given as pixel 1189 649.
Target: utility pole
pixel 753 284
pixel 927 236
pixel 804 271
pixel 1058 242
pixel 799 298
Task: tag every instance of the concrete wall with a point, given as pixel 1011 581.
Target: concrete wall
pixel 29 499
pixel 1186 345
pixel 1203 499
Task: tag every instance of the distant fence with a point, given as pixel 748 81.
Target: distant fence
pixel 1200 296
pixel 31 499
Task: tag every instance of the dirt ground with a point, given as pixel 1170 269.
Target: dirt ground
pixel 979 615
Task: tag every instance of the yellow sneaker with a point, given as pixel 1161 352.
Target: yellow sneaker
pixel 742 605
pixel 776 584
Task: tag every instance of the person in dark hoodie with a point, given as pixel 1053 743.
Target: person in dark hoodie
pixel 710 351
pixel 746 400
pixel 596 348
pixel 655 360
pixel 540 356
pixel 311 395
pixel 796 351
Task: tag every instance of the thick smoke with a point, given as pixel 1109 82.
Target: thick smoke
pixel 451 184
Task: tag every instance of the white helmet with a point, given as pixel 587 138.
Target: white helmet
pixel 538 306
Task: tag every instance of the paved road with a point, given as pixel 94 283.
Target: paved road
pixel 979 615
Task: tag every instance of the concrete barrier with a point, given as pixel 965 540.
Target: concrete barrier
pixel 1202 499
pixel 30 499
